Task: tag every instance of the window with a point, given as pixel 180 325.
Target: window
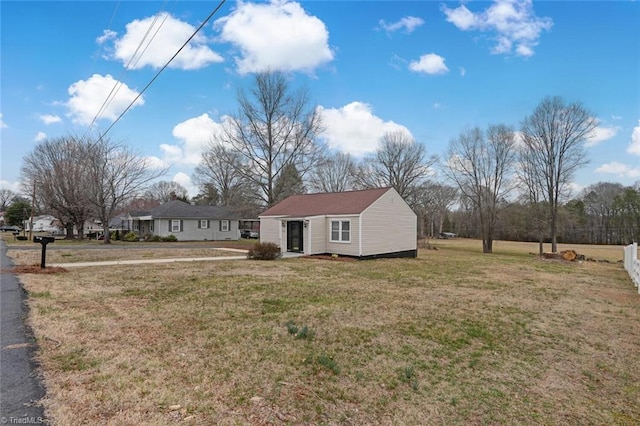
pixel 176 225
pixel 204 224
pixel 224 225
pixel 341 231
pixel 150 226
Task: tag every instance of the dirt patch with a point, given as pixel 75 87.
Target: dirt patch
pixel 34 269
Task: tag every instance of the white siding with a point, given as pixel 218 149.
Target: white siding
pixel 316 236
pixel 349 249
pixel 270 231
pixel 388 225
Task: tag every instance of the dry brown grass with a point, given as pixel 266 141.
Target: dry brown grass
pixel 74 255
pixel 453 337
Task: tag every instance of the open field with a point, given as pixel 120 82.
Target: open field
pixel 453 337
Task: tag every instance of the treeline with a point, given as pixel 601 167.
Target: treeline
pixel 603 213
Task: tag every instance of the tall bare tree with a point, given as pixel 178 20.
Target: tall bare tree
pixel 480 165
pixel 220 171
pixel 275 127
pixel 57 170
pixel 399 162
pixel 333 173
pixel 117 175
pixel 553 150
pixel 164 191
pixel 435 199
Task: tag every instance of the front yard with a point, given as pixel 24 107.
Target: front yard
pixel 453 337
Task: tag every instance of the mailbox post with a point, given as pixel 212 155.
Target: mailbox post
pixel 43 241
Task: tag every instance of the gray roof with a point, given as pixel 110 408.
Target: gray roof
pixel 177 209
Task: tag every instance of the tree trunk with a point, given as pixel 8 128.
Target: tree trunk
pixel 107 234
pixel 487 245
pixel 541 246
pixel 69 228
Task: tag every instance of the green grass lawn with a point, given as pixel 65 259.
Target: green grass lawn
pixel 453 337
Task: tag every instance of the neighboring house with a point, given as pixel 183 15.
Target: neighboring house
pixel 365 224
pixel 188 222
pixel 45 223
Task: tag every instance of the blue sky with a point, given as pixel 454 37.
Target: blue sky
pixel 431 68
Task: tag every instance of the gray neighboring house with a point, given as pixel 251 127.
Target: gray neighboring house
pixel 364 224
pixel 187 222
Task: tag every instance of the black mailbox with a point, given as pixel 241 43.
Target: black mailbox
pixel 44 241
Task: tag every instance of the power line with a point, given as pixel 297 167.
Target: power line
pixel 163 68
pixel 118 84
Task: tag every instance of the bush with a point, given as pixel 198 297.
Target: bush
pixel 130 236
pixel 264 251
pixel 152 238
pixel 169 238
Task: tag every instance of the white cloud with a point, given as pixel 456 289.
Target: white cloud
pixel 88 96
pixel 463 72
pixel 49 119
pixel 601 134
pixel 155 162
pixel 430 64
pixel 154 40
pixel 2 124
pixel 354 128
pixel 277 36
pixel 185 180
pixel 408 23
pixel 40 136
pixel 619 169
pixel 13 186
pixel 106 35
pixel 513 23
pixel 193 135
pixel 634 146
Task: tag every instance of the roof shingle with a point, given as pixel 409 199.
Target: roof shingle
pixel 350 202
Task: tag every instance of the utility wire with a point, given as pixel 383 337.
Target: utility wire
pixel 131 63
pixel 162 69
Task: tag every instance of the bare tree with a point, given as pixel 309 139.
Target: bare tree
pixel 6 196
pixel 553 149
pixel 399 162
pixel 435 199
pixel 274 128
pixel 480 166
pixel 164 191
pixel 221 172
pixel 334 173
pixel 600 204
pixel 117 175
pixel 57 170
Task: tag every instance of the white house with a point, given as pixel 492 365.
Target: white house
pixel 364 224
pixel 45 223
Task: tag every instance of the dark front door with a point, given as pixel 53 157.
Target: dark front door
pixel 294 236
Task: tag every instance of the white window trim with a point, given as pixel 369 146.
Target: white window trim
pixel 339 240
pixel 175 222
pixel 225 224
pixel 204 223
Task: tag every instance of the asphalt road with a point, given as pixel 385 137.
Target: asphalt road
pixel 20 385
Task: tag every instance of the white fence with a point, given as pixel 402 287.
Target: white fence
pixel 632 264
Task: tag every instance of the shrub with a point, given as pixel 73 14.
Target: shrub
pixel 264 251
pixel 152 238
pixel 130 236
pixel 169 238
